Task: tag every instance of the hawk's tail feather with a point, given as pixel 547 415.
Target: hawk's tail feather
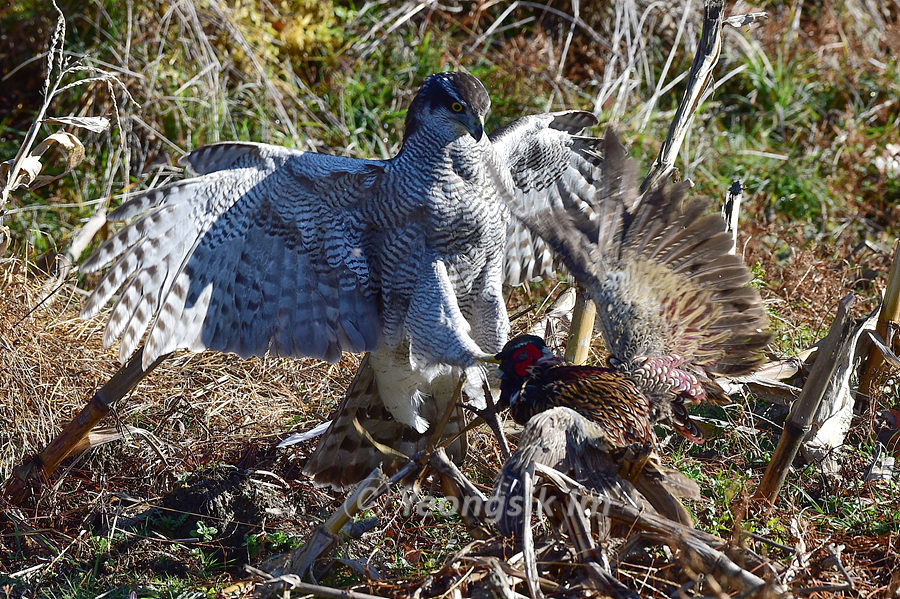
pixel 346 455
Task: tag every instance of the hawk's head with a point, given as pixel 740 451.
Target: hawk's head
pixel 455 102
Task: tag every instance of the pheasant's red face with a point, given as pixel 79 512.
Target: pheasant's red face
pixel 524 357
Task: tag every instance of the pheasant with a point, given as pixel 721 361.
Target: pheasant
pixel 674 310
pixel 533 379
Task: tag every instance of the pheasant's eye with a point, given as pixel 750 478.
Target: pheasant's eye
pixel 456 107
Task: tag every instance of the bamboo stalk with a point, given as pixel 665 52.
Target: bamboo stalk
pixel 800 419
pixel 28 476
pixel 888 318
pixel 582 330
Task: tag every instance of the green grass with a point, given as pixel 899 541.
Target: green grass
pixel 357 93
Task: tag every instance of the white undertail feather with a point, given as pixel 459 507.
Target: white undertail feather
pixel 406 390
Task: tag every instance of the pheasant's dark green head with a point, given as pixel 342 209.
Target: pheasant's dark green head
pixel 516 359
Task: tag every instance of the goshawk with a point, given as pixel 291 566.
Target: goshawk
pixel 292 253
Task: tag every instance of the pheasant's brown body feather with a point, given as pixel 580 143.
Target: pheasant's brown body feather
pixel 613 402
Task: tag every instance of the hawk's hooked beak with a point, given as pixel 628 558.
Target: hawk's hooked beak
pixel 473 125
pixel 476 130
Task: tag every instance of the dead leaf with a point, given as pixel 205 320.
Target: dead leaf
pixel 30 166
pixel 28 171
pixel 70 145
pixel 889 356
pixel 97 124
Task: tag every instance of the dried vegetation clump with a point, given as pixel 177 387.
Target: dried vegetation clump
pixel 195 412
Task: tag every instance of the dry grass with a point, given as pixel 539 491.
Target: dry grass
pixel 64 365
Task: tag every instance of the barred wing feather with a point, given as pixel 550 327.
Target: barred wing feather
pixel 262 252
pixel 658 267
pixel 551 167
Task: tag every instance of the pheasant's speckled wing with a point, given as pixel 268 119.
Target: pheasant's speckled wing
pixel 564 440
pixel 675 252
pixel 551 167
pixel 263 252
pixel 659 269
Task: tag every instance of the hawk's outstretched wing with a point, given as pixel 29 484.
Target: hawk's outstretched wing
pixel 262 252
pixel 551 166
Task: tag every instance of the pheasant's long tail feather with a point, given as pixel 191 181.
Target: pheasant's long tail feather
pixel 663 487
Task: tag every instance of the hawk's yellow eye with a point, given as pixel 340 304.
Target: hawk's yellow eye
pixel 456 107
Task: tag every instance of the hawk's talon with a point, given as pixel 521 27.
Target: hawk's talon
pixel 491 417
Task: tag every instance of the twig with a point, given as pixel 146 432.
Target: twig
pixel 29 476
pixel 887 320
pixel 455 484
pixel 445 417
pixel 699 543
pixel 767 541
pixel 490 415
pixel 836 556
pixel 738 21
pixel 325 538
pixel 832 588
pixel 731 209
pixel 316 590
pixel 532 577
pixel 700 74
